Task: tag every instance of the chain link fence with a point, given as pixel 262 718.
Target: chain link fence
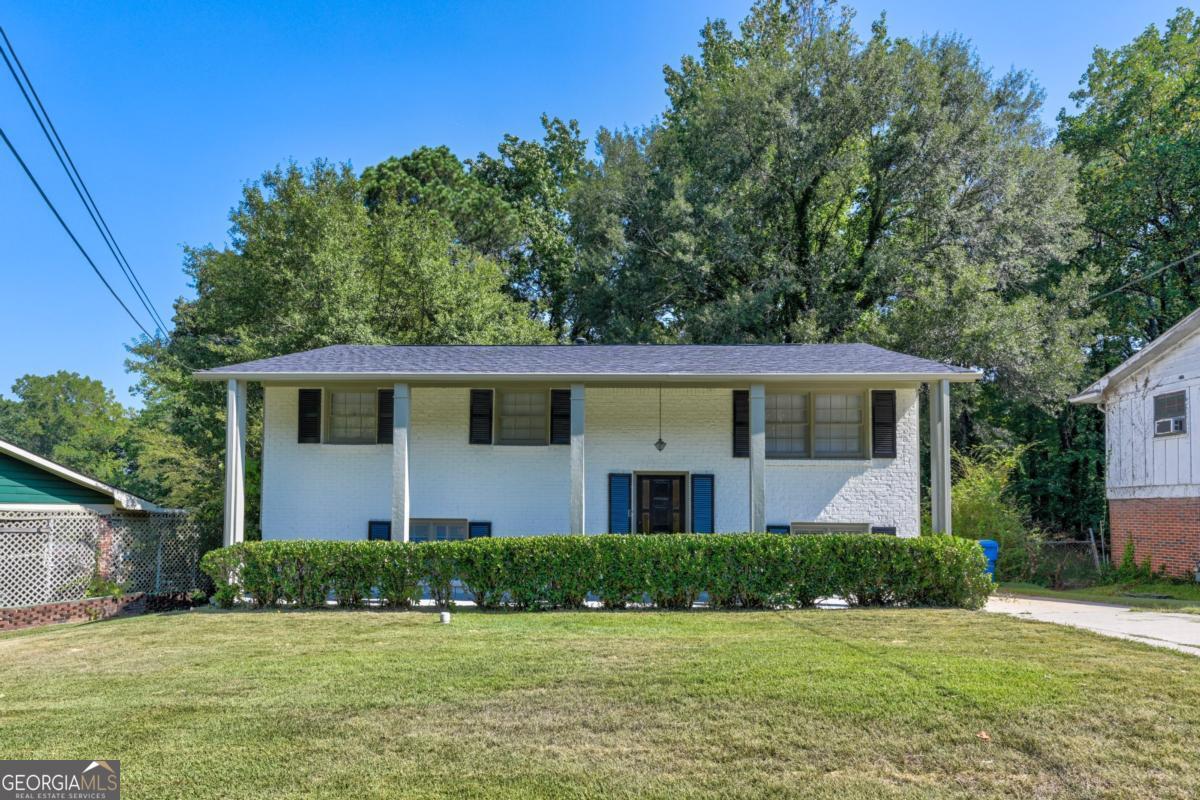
pixel 52 556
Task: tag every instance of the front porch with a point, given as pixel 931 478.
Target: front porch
pixel 620 440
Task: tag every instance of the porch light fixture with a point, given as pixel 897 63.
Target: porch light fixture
pixel 660 444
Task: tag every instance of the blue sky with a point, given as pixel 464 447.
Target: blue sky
pixel 168 109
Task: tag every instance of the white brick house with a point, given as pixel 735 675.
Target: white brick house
pixel 414 443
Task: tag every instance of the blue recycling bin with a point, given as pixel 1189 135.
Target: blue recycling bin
pixel 991 549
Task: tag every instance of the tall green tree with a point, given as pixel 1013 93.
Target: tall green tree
pixel 808 185
pixel 308 265
pixel 511 206
pixel 1136 135
pixel 71 419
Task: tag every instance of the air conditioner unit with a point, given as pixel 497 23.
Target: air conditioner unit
pixel 1163 427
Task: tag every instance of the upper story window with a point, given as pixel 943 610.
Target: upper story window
pixel 838 425
pixel 521 417
pixel 787 425
pixel 816 425
pixel 352 417
pixel 1170 413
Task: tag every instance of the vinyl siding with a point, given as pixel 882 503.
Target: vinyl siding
pixel 26 484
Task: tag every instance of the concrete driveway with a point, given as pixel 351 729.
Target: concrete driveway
pixel 1177 631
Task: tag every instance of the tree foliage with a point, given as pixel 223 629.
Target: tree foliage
pixel 70 419
pixel 1136 135
pixel 804 183
pixel 807 185
pixel 309 264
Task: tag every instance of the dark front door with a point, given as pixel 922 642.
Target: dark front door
pixel 660 504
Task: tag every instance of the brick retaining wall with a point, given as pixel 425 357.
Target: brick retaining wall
pixel 1166 529
pixel 92 608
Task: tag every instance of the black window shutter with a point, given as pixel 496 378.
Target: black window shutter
pixel 379 530
pixel 889 530
pixel 385 416
pixel 481 416
pixel 741 423
pixel 309 429
pixel 560 416
pixel 479 530
pixel 883 424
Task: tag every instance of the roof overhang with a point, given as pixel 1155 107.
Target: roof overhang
pixel 606 377
pixel 121 499
pixel 1175 335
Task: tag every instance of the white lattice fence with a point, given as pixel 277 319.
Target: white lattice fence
pixel 48 557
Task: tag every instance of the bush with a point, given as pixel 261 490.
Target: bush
pixel 671 571
pixel 983 507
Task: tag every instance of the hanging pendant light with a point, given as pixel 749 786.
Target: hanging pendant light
pixel 660 444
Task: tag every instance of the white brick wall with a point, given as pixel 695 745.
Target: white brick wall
pixel 878 491
pixel 331 491
pixel 622 426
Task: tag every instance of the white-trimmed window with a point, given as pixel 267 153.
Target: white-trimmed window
pixel 521 417
pixel 787 425
pixel 1170 413
pixel 437 530
pixel 838 423
pixel 352 417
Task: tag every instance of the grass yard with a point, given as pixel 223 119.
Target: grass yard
pixel 1154 595
pixel 821 704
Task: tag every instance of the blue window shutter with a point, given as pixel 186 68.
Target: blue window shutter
pixel 479 530
pixel 620 499
pixel 889 530
pixel 779 529
pixel 379 530
pixel 704 517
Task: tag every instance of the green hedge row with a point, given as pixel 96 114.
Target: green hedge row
pixel 670 571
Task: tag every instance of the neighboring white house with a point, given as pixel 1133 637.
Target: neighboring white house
pixel 446 442
pixel 1153 450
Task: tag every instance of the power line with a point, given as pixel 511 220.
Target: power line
pixel 73 174
pixel 1146 277
pixel 67 228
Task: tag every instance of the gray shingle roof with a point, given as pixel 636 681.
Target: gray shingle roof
pixel 591 360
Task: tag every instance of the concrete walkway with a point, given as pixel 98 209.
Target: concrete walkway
pixel 1177 631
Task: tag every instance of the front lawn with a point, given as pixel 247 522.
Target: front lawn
pixel 1155 595
pixel 822 704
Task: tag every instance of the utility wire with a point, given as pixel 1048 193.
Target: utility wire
pixel 85 196
pixel 67 228
pixel 1146 277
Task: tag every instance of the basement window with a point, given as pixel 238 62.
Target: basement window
pixel 437 530
pixel 831 527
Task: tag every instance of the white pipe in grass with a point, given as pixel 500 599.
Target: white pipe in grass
pixel 445 617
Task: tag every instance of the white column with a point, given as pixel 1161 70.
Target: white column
pixel 758 458
pixel 578 463
pixel 401 410
pixel 939 455
pixel 235 462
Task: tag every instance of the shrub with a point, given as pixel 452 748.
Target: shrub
pixel 543 572
pixel 983 507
